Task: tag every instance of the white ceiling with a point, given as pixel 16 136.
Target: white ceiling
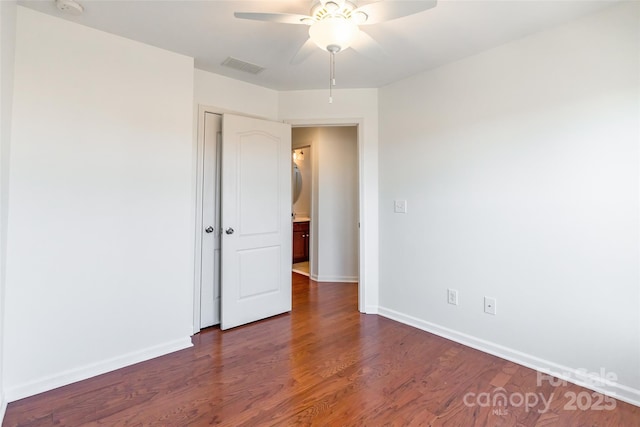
pixel 208 31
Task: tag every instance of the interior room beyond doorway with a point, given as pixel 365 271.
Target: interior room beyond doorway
pixel 326 213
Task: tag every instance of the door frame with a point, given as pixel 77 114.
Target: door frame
pixel 198 159
pixel 359 124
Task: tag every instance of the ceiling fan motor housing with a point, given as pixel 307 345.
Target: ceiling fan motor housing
pixel 325 9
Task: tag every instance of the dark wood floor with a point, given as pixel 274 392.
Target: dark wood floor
pixel 323 364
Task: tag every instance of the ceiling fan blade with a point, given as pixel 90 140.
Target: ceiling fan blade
pixel 282 18
pixel 304 52
pixel 386 10
pixel 365 45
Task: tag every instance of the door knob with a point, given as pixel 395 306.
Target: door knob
pixel 209 229
pixel 229 230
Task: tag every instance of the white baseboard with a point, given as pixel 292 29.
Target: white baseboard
pixel 3 407
pixel 82 373
pixel 371 309
pixel 566 373
pixel 336 279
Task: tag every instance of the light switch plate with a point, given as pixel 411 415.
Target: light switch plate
pixel 400 206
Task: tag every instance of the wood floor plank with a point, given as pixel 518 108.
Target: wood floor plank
pixel 323 364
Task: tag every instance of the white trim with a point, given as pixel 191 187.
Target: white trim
pixel 93 369
pixel 197 248
pixel 3 407
pixel 336 279
pixel 566 373
pixel 371 309
pixel 362 249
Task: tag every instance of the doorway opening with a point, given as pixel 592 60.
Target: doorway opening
pixel 326 212
pixel 301 185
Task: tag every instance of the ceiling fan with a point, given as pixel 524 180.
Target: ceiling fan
pixel 334 25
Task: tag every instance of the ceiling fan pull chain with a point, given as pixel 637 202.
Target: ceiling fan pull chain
pixel 331 77
pixel 333 68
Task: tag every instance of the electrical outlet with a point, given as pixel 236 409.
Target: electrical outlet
pixel 400 206
pixel 490 305
pixel 452 296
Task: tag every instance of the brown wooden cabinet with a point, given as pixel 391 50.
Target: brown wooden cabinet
pixel 300 241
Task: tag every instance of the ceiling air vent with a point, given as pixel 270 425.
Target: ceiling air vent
pixel 237 64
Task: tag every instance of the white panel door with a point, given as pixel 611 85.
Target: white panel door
pixel 256 220
pixel 210 265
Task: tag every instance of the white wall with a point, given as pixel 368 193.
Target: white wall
pixel 337 204
pixel 7 50
pixel 350 106
pixel 213 90
pixel 520 167
pixel 334 225
pixel 100 236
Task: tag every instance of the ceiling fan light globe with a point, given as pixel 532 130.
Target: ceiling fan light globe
pixel 334 32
